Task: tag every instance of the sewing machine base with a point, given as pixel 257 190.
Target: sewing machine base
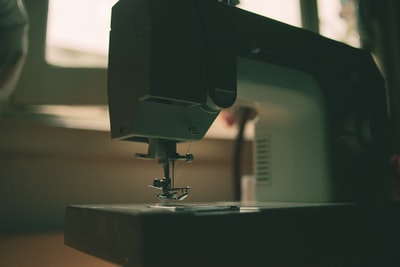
pixel 237 234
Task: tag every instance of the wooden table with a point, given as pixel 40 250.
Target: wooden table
pixel 234 234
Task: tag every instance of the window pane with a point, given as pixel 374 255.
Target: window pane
pixel 338 20
pixel 77 32
pixel 287 11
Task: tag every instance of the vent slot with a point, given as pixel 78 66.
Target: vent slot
pixel 263 159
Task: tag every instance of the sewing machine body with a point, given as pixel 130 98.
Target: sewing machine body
pixel 291 146
pixel 321 105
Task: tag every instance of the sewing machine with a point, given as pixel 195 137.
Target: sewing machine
pixel 319 144
pixel 321 105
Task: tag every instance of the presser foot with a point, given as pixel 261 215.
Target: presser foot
pixel 168 192
pixel 165 151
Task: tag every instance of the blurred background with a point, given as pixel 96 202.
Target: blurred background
pixel 55 145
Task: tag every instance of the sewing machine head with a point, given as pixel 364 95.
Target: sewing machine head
pixel 321 105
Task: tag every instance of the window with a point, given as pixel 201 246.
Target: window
pixel 77 32
pixel 287 11
pixel 338 20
